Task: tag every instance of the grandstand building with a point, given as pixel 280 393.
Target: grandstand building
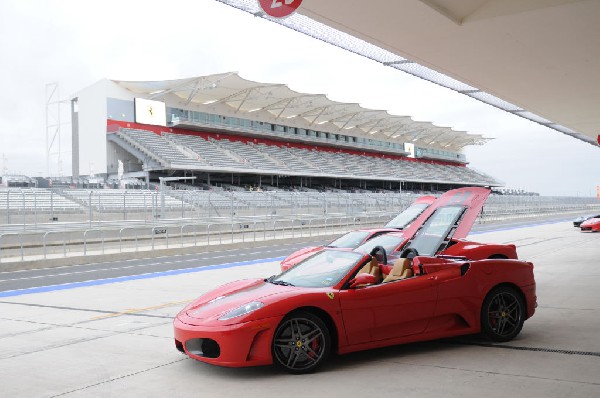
pixel 223 129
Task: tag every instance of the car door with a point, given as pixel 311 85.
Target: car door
pixel 471 198
pixel 388 310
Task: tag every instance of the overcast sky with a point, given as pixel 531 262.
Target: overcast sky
pixel 76 43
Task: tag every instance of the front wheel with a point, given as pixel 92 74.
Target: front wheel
pixel 502 314
pixel 301 342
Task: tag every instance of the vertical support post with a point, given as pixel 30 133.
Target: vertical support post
pixel 162 198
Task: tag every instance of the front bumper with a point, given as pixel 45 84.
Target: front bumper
pixel 242 344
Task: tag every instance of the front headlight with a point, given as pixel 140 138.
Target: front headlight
pixel 242 310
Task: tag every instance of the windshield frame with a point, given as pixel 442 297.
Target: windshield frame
pixel 421 207
pixel 424 238
pixel 303 274
pixel 346 236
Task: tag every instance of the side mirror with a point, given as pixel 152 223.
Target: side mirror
pixel 362 280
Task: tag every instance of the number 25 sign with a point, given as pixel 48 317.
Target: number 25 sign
pixel 279 8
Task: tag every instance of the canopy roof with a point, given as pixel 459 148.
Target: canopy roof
pixel 536 59
pixel 277 103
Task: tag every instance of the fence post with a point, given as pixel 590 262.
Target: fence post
pixel 22 254
pixel 85 241
pixel 120 240
pixel 8 206
pixel 44 243
pixel 35 208
pixel 90 207
pixel 52 205
pixel 23 198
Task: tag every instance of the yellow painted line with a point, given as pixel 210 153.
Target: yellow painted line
pixel 138 310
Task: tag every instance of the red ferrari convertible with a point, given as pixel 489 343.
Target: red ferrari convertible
pixel 353 239
pixel 338 301
pixel 394 240
pixel 591 224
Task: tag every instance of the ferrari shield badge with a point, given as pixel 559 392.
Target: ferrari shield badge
pixel 331 295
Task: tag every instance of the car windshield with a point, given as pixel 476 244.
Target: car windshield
pixel 324 269
pixel 409 215
pixel 350 240
pixel 429 238
pixel 389 243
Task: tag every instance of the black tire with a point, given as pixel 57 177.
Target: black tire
pixel 301 343
pixel 502 314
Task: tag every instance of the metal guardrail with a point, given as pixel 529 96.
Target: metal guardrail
pixel 56 244
pixel 205 217
pixel 29 207
pixel 32 209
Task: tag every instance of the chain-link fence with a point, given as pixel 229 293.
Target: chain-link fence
pixel 45 223
pixel 29 208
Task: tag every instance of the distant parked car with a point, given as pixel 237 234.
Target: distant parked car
pixel 591 224
pixel 443 232
pixel 353 239
pixel 577 222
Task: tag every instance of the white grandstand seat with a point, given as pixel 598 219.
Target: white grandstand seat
pixel 196 152
pixel 36 199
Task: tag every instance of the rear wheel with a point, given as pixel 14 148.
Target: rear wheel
pixel 502 314
pixel 301 342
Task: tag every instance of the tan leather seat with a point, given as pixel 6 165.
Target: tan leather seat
pixel 372 267
pixel 402 269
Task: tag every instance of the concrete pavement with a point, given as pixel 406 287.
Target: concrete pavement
pixel 116 339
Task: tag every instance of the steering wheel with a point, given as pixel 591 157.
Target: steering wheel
pixel 409 253
pixel 379 249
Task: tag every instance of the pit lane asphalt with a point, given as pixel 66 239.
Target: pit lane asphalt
pixel 27 279
pixel 36 278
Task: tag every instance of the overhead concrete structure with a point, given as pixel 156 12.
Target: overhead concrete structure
pixel 538 59
pixel 231 94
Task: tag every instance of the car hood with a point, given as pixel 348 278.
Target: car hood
pixel 216 303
